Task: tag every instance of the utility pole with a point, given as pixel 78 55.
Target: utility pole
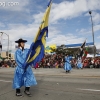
pixel 92 32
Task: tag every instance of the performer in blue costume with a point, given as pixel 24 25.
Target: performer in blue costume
pixel 79 63
pixel 67 66
pixel 22 77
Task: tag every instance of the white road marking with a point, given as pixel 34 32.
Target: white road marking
pixel 5 81
pixel 94 90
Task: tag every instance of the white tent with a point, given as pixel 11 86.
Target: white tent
pixel 88 55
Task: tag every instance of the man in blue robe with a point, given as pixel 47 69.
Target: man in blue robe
pixel 79 63
pixel 67 65
pixel 22 77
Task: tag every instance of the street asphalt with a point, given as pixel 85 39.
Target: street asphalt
pixel 55 84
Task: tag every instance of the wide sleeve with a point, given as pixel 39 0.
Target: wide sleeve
pixel 70 57
pixel 26 51
pixel 19 60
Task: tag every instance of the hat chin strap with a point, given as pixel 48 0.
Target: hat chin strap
pixel 22 48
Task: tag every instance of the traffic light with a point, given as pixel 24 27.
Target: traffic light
pixel 9 55
pixel 1 46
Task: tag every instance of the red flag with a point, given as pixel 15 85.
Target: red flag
pixel 85 54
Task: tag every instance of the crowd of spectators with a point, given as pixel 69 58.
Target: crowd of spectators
pixel 57 61
pixel 52 61
pixel 8 63
pixel 91 63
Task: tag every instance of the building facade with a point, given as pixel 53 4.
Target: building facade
pixel 6 55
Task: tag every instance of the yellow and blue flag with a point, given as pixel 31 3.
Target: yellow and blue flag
pixel 37 48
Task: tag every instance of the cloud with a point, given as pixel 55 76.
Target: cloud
pixel 89 31
pixel 95 17
pixel 97 28
pixel 64 10
pixel 12 44
pixel 16 31
pixel 19 13
pixel 38 17
pixel 98 45
pixel 98 37
pixel 21 22
pixel 93 4
pixel 67 10
pixel 65 39
pixel 28 32
pixel 84 31
pixel 53 32
pixel 15 5
pixel 2 25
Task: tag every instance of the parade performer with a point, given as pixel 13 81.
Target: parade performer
pixel 22 76
pixel 24 58
pixel 67 65
pixel 79 63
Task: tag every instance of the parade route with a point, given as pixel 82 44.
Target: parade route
pixel 55 84
pixel 86 72
pixel 50 50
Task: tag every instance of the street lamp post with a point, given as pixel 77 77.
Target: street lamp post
pixel 8 42
pixel 92 32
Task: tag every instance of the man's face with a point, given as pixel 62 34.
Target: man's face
pixel 22 44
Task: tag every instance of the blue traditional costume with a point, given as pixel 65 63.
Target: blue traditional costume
pixel 79 63
pixel 67 65
pixel 22 77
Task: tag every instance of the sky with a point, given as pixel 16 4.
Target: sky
pixel 69 21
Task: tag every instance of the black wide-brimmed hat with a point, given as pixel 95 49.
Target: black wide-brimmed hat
pixel 20 40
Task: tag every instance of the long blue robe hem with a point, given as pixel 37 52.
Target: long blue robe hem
pixel 22 78
pixel 67 65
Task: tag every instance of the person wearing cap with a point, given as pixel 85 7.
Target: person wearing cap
pixel 22 77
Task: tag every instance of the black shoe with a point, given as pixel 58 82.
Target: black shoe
pixel 19 95
pixel 28 93
pixel 68 71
